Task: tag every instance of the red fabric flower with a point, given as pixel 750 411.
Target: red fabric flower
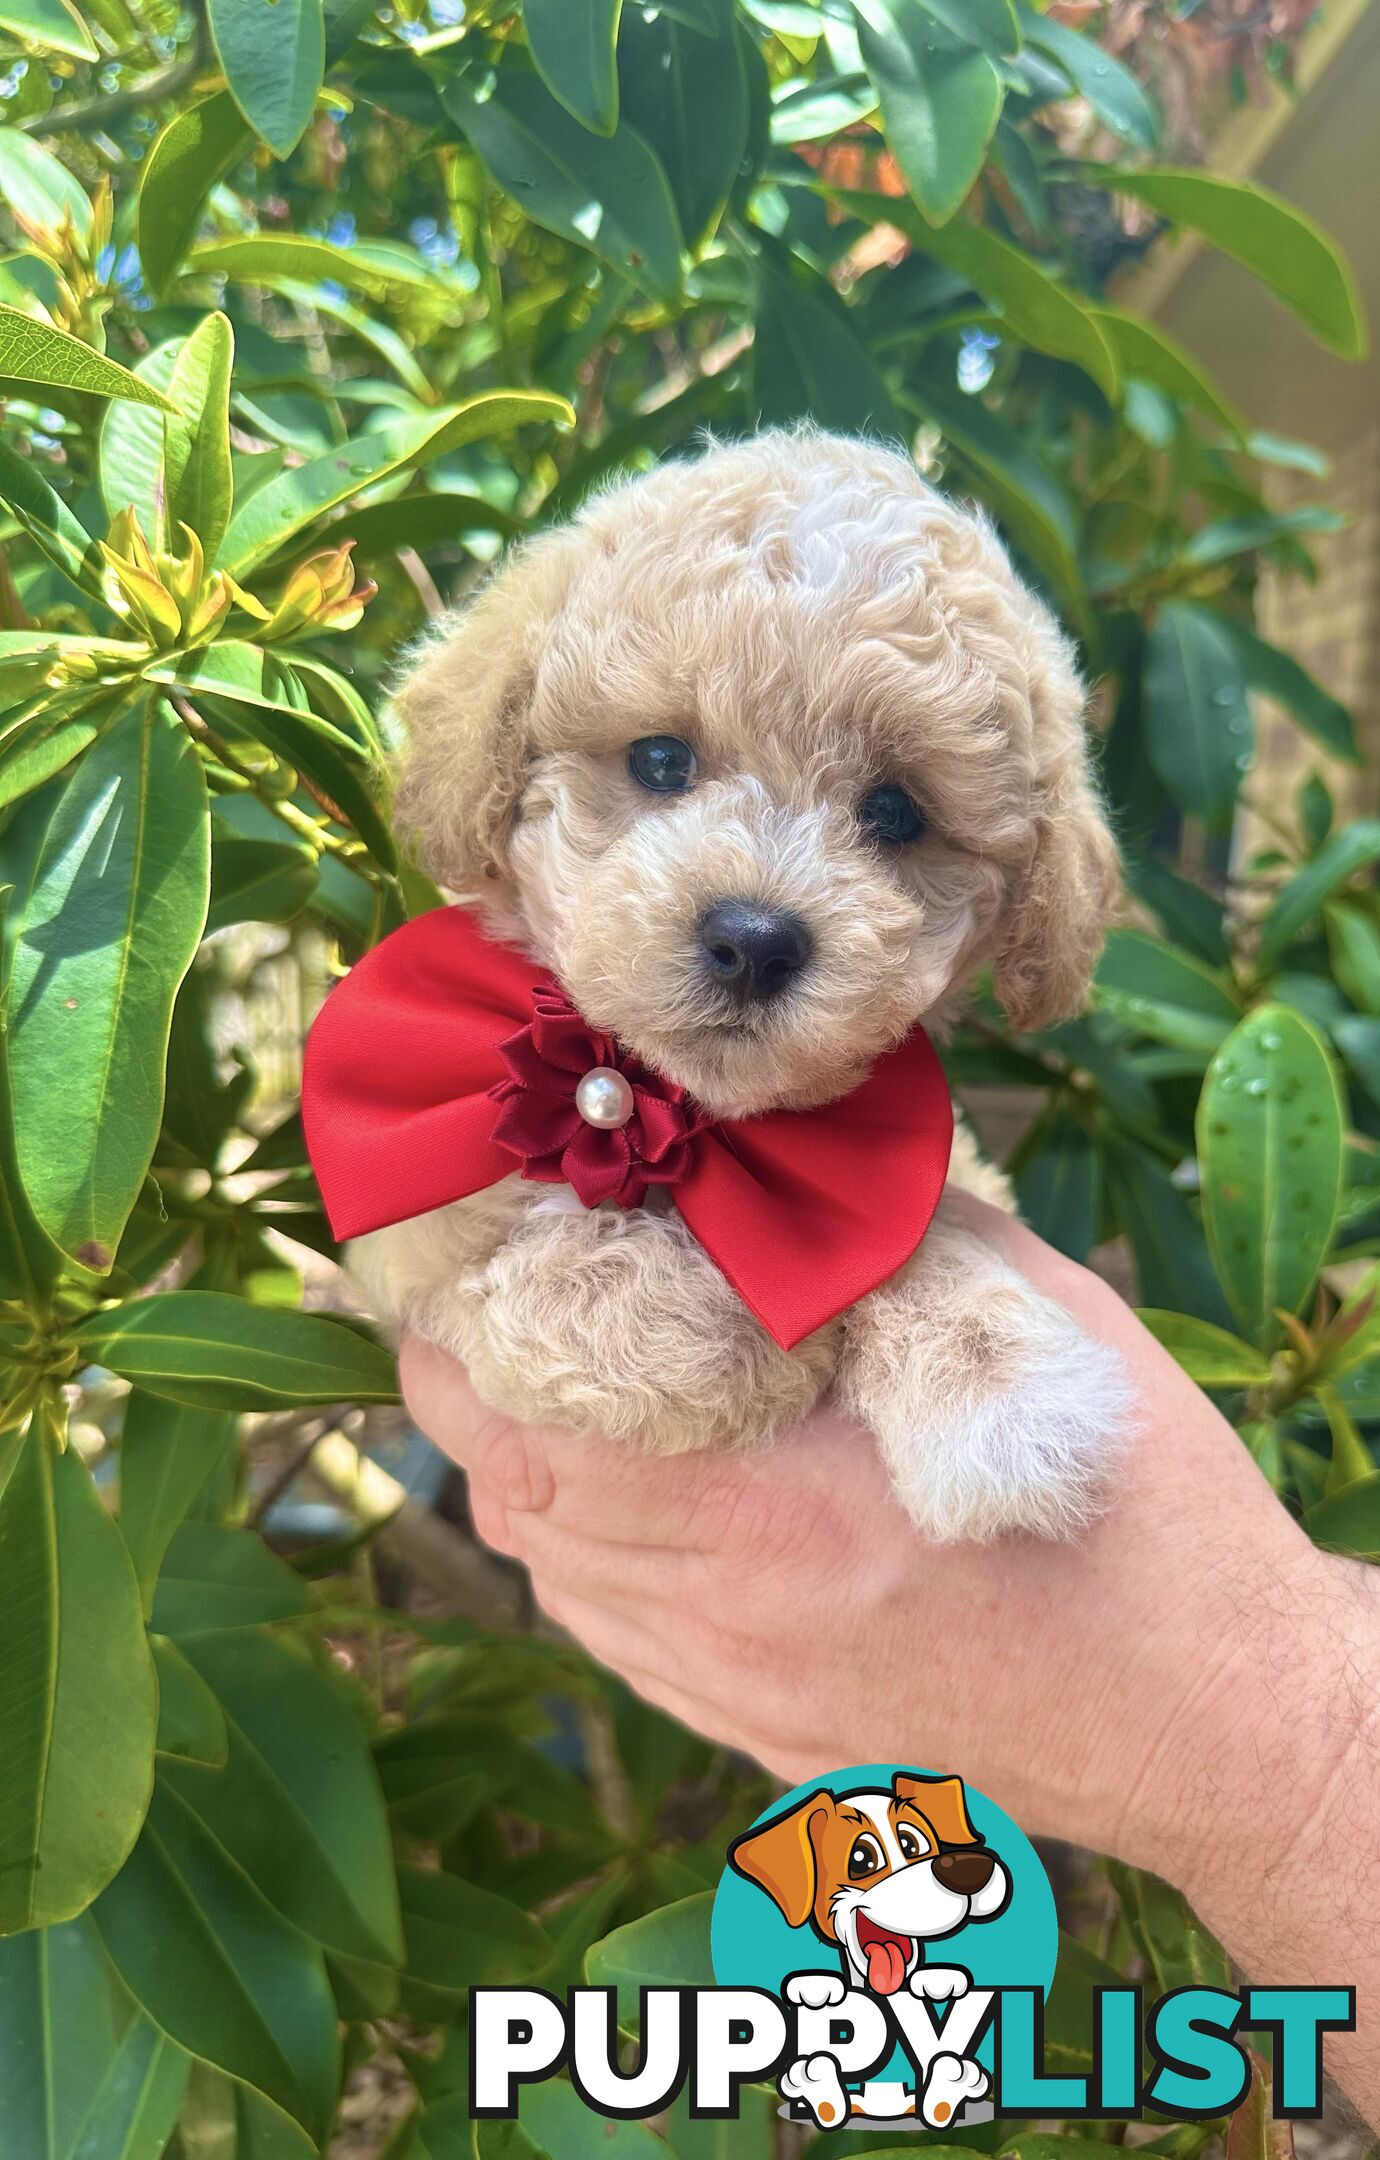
pixel 538 1120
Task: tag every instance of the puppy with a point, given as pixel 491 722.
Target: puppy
pixel 765 756
pixel 878 1875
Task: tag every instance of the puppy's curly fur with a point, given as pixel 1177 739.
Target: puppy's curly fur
pixel 815 620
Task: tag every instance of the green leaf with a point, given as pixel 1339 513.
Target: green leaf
pixel 1197 717
pixel 1109 87
pixel 297 259
pixel 192 155
pixel 1192 917
pixel 1354 848
pixel 458 1937
pixel 132 442
pixel 104 934
pixel 1278 675
pixel 1207 1354
pixel 30 1263
pixel 1036 308
pixel 1176 1947
pixel 666 1948
pixel 214 1352
pixel 274 56
pixel 1349 1521
pixel 940 101
pixel 609 194
pixel 1172 1263
pixel 419 521
pixel 78 1705
pixel 1358 1039
pixel 561 2127
pixel 1270 1133
pixel 1163 993
pixel 1353 937
pixel 297 1805
pixel 807 363
pixel 168 1454
pixel 49 523
pixel 217 1970
pixel 574 49
pixel 345 774
pixel 199 485
pixel 191 1723
pixel 34 352
pixel 38 188
pixel 1146 351
pixel 1027 498
pixel 1284 249
pixel 266 881
pixel 85 2077
pixel 215 1578
pixel 44 743
pixel 686 95
pixel 51 25
pixel 1059 1186
pixel 826 105
pixel 280 510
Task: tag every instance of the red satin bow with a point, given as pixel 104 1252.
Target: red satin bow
pixel 444 1062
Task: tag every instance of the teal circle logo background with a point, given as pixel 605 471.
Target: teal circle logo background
pixel 751 1944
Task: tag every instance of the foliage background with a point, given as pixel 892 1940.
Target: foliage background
pixel 305 311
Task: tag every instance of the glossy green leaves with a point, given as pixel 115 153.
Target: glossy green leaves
pixel 941 94
pixel 77 1695
pixel 103 931
pixel 35 352
pixel 274 55
pixel 1270 1146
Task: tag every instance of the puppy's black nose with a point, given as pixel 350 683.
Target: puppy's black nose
pixel 753 950
pixel 965 1872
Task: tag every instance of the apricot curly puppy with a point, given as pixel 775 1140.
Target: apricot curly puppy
pixel 765 755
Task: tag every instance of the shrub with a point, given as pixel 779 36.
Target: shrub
pixel 305 312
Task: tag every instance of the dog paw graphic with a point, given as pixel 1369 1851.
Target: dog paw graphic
pixel 816 2082
pixel 815 1991
pixel 939 1983
pixel 951 2081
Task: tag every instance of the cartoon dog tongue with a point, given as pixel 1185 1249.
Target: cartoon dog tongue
pixel 886 1962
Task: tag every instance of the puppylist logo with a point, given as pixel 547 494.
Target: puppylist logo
pixel 883 1942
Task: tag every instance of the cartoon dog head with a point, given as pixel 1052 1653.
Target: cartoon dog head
pixel 766 755
pixel 877 1874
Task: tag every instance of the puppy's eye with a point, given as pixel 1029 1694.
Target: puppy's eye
pixel 887 813
pixel 909 1843
pixel 661 762
pixel 865 1858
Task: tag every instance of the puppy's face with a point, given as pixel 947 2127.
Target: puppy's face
pixel 879 1874
pixel 775 753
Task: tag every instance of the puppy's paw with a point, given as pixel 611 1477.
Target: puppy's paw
pixel 815 2083
pixel 1029 1444
pixel 815 1991
pixel 939 1983
pixel 994 1411
pixel 952 2081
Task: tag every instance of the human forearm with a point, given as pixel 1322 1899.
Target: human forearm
pixel 1278 1817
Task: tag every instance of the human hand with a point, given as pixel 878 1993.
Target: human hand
pixel 1153 1690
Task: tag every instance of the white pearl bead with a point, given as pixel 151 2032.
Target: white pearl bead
pixel 604 1097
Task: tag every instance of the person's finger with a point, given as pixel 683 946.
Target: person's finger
pixel 511 1459
pixel 626 1578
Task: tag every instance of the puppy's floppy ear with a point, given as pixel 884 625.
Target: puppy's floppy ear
pixel 780 1857
pixel 943 1804
pixel 1058 916
pixel 463 707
